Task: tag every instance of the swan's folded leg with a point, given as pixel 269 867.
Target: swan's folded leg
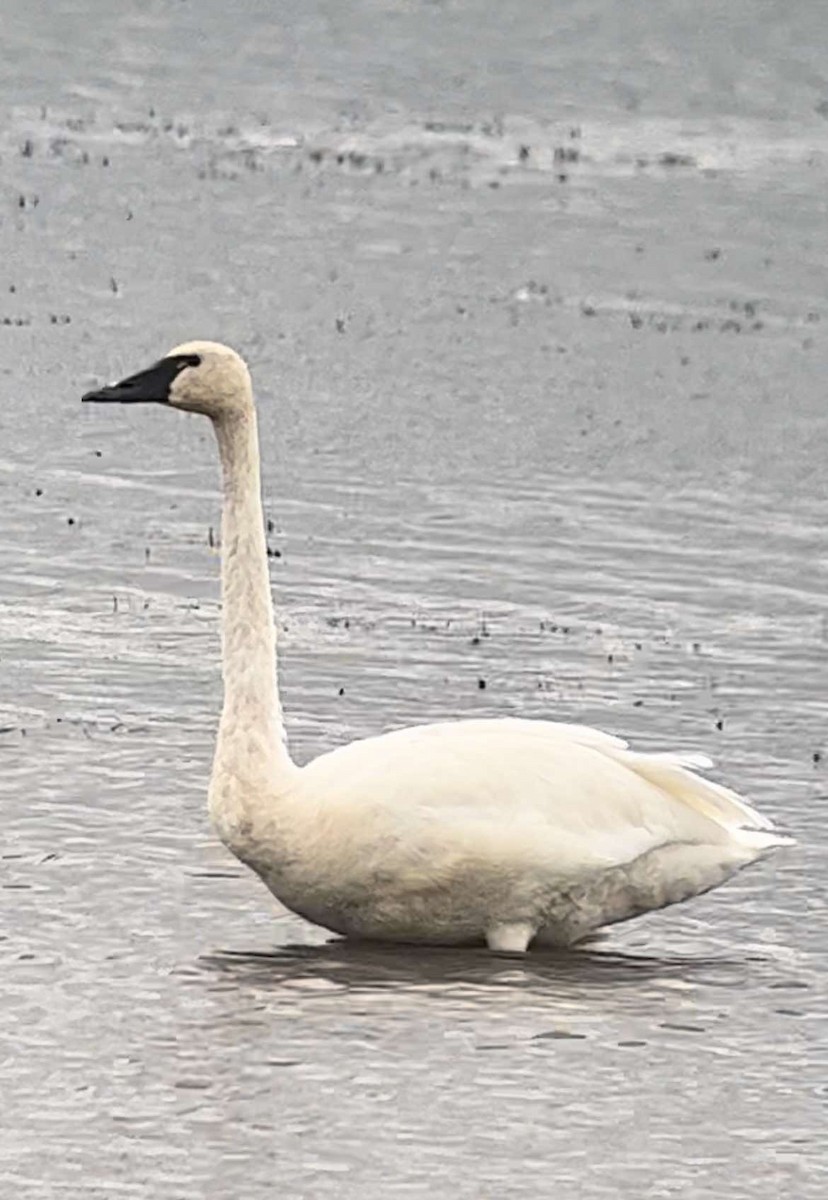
pixel 510 937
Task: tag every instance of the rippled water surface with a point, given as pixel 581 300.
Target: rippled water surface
pixel 535 301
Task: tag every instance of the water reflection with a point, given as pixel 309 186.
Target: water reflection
pixel 563 974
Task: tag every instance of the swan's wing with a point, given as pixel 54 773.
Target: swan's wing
pixel 674 774
pixel 574 792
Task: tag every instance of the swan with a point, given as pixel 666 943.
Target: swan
pixel 507 832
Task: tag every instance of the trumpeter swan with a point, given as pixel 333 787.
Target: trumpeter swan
pixel 505 831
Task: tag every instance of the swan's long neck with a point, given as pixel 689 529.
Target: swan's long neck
pixel 251 750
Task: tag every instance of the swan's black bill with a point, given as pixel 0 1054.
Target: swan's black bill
pixel 147 387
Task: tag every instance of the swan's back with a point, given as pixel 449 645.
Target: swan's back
pixel 570 777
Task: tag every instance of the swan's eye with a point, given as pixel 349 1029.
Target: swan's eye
pixel 188 360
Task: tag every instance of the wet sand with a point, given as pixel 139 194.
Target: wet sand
pixel 536 312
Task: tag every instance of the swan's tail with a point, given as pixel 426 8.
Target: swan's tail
pixel 676 775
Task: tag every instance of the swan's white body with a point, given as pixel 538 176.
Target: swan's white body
pixel 506 830
pixel 503 831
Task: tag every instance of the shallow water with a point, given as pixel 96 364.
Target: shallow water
pixel 537 317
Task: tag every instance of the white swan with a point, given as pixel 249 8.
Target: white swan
pixel 504 831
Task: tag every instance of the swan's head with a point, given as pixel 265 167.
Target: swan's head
pixel 203 377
